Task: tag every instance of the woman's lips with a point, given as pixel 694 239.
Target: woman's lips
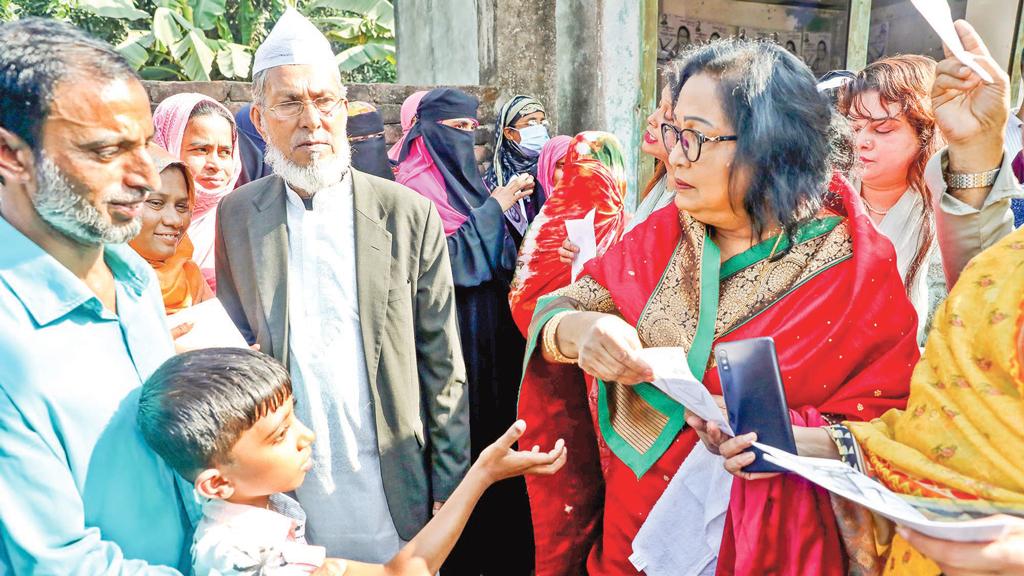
pixel 171 238
pixel 212 182
pixel 649 138
pixel 683 185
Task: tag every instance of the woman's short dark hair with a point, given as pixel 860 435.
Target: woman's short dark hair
pixel 193 409
pixel 781 123
pixel 209 108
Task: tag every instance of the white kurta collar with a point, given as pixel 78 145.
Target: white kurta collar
pixel 325 197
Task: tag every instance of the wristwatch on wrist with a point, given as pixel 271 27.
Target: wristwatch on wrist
pixel 967 180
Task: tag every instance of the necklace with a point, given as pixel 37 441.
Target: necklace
pixel 872 208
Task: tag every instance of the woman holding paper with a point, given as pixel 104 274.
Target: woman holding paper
pixel 754 246
pixel 594 178
pixel 658 192
pixel 958 446
pixel 163 240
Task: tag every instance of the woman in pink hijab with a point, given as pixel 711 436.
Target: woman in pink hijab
pixel 418 171
pixel 201 132
pixel 552 158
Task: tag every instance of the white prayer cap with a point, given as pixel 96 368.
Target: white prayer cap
pixel 294 40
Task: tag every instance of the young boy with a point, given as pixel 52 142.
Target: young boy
pixel 223 418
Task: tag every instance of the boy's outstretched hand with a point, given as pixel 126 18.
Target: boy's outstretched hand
pixel 499 460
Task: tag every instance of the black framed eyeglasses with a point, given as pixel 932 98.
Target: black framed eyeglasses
pixel 691 140
pixel 325 105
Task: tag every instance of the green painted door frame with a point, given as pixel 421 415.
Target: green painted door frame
pixel 648 83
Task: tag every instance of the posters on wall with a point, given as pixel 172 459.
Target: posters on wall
pixel 818 51
pixel 815 48
pixel 676 33
pixel 714 31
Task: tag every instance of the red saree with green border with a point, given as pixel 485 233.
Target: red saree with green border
pixel 845 334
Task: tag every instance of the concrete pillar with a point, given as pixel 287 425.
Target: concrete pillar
pixel 436 42
pixel 579 95
pixel 602 72
pixel 858 33
pixel 524 43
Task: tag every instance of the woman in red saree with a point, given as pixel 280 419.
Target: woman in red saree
pixel 754 246
pixel 593 178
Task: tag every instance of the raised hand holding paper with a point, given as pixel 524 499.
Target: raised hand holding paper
pixel 939 17
pixel 581 233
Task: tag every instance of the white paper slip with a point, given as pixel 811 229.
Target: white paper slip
pixel 843 480
pixel 937 13
pixel 672 376
pixel 581 233
pixel 212 327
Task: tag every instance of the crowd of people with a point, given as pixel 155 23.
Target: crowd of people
pixel 431 388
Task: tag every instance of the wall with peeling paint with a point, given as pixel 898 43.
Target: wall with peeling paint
pixel 582 58
pixel 437 42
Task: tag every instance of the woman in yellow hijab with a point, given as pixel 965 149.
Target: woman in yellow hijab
pixel 163 241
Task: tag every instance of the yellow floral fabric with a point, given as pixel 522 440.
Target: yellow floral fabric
pixel 962 434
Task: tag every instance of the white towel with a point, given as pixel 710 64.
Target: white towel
pixel 683 532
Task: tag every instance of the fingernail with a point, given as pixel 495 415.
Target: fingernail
pixel 520 425
pixel 751 437
pixel 963 70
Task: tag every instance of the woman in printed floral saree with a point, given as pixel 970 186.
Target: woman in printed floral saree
pixel 755 245
pixel 594 178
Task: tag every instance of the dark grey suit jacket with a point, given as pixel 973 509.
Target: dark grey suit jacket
pixel 408 320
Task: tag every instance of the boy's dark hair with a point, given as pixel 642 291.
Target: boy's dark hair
pixel 193 409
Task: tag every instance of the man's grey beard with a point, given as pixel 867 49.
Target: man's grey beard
pixel 72 215
pixel 319 174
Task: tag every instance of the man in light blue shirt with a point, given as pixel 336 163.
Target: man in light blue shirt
pixel 81 317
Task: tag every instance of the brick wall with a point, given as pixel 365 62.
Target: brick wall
pixel 387 98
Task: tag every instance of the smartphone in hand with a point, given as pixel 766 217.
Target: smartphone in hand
pixel 754 396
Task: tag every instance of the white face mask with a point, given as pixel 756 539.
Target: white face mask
pixel 533 137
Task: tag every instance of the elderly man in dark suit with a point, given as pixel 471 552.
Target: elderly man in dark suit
pixel 345 277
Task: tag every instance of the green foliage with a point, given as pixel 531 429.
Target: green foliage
pixel 215 39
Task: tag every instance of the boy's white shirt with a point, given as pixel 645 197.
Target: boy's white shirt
pixel 236 539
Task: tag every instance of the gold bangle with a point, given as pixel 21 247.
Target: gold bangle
pixel 550 345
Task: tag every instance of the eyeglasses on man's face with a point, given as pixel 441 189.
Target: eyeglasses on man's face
pixel 327 106
pixel 691 140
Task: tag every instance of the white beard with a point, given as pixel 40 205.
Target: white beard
pixel 72 215
pixel 319 174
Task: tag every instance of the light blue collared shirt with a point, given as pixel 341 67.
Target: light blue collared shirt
pixel 80 491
